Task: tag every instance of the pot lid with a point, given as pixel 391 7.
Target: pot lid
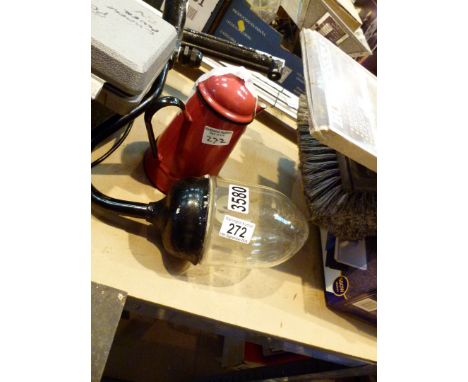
pixel 228 95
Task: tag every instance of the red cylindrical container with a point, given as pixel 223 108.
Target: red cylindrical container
pixel 199 140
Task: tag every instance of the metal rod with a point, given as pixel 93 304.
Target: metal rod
pixel 233 52
pixel 135 209
pixel 229 58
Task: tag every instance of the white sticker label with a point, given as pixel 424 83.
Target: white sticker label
pixel 238 199
pixel 216 137
pixel 237 229
pixel 366 304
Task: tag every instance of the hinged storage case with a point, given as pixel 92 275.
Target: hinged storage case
pixel 130 44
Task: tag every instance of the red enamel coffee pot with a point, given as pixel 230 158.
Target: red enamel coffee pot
pixel 200 138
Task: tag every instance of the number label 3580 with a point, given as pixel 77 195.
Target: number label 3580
pixel 238 199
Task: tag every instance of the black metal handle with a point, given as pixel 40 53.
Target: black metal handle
pixel 174 13
pixel 158 105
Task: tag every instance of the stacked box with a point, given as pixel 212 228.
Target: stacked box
pixel 239 24
pixel 350 273
pixel 337 20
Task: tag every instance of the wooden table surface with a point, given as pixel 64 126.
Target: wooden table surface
pixel 286 301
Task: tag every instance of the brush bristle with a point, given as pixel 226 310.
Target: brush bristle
pixel 348 215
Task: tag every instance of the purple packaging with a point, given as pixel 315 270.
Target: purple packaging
pixel 350 274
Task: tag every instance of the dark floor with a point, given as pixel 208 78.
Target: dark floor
pixel 153 350
pixel 149 350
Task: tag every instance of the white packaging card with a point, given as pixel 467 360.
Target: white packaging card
pixel 237 229
pixel 216 137
pixel 366 304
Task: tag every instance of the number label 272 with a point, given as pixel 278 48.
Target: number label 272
pixel 238 199
pixel 237 229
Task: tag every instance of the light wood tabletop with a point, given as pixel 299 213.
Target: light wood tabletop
pixel 285 302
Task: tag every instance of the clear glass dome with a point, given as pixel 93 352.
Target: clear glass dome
pixel 251 226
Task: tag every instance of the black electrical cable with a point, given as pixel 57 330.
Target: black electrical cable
pixel 100 133
pixel 135 209
pixel 115 146
pixel 106 129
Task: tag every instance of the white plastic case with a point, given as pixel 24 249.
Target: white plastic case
pixel 130 43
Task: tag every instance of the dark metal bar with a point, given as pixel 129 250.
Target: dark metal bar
pixel 298 371
pixel 351 372
pixel 234 53
pixel 227 57
pixel 160 312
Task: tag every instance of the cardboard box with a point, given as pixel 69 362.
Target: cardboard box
pixel 301 12
pixel 346 11
pixel 337 20
pixel 368 12
pixel 239 24
pixel 350 273
pixel 199 13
